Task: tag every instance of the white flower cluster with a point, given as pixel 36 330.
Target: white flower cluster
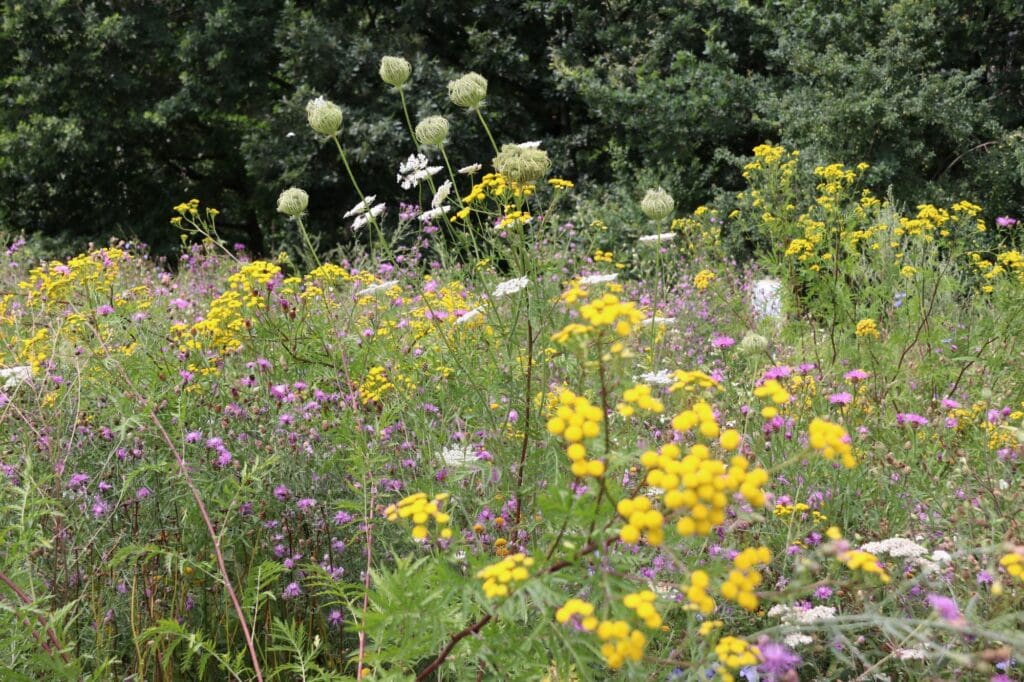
pixel 441 194
pixel 428 216
pixel 475 312
pixel 470 169
pixel 656 320
pixel 902 548
pixel 662 377
pixel 364 218
pixel 362 206
pixel 12 376
pixel 457 455
pixel 598 279
pixel 415 170
pixel 510 286
pixel 796 617
pixel 375 288
pixel 657 238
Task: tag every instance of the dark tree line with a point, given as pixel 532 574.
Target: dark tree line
pixel 113 112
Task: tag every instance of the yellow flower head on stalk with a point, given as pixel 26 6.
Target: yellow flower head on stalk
pixel 574 608
pixel 702 280
pixel 692 380
pixel 499 578
pixel 859 560
pixel 744 578
pixel 420 511
pixel 1014 564
pixel 697 596
pixel 734 653
pixel 576 420
pixel 830 440
pixel 639 396
pixel 643 604
pixel 867 328
pixel 621 643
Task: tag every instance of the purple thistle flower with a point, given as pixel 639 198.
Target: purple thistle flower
pixel 291 591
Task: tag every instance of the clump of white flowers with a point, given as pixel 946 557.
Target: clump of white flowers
pixel 415 170
pixel 511 286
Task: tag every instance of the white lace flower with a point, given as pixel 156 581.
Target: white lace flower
pixel 441 194
pixel 475 312
pixel 13 376
pixel 530 145
pixel 662 377
pixel 898 548
pixel 427 216
pixel 362 206
pixel 510 286
pixel 374 288
pixel 470 169
pixel 457 455
pixel 415 170
pixel 656 320
pixel 364 218
pixel 657 238
pixel 598 279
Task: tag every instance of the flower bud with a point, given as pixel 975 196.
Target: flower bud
pixel 292 202
pixel 432 130
pixel 468 91
pixel 752 343
pixel 324 116
pixel 522 164
pixel 395 71
pixel 657 204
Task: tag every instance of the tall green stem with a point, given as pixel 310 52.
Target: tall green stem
pixel 487 130
pixel 305 238
pixel 359 192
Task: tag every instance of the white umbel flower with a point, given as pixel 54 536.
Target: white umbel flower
pixel 472 314
pixel 428 216
pixel 376 288
pixel 657 238
pixel 415 170
pixel 598 279
pixel 362 206
pixel 470 169
pixel 657 320
pixel 441 194
pixel 365 217
pixel 510 286
pixel 14 376
pixel 457 455
pixel 662 377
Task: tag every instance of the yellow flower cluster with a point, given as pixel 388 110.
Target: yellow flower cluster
pixel 830 440
pixel 741 582
pixel 639 396
pixel 421 510
pixel 559 183
pixel 1014 565
pixel 698 485
pixel 867 327
pixel 702 280
pixel 577 607
pixel 784 510
pixel 643 604
pixel 496 186
pixel 609 311
pixel 701 416
pixel 859 560
pixel 55 283
pixel 513 218
pixel 577 419
pixel 709 626
pixel 621 643
pixel 687 380
pixel 697 593
pixel 499 578
pixel 603 256
pixel 374 386
pixel 641 519
pixel 734 653
pixel 774 391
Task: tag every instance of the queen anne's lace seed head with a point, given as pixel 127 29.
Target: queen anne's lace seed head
pixel 324 116
pixel 292 202
pixel 468 91
pixel 657 204
pixel 522 164
pixel 432 130
pixel 395 71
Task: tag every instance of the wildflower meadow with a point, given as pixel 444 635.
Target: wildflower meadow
pixel 503 435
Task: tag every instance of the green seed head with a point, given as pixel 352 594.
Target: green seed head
pixel 292 202
pixel 395 71
pixel 324 116
pixel 657 204
pixel 432 130
pixel 468 91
